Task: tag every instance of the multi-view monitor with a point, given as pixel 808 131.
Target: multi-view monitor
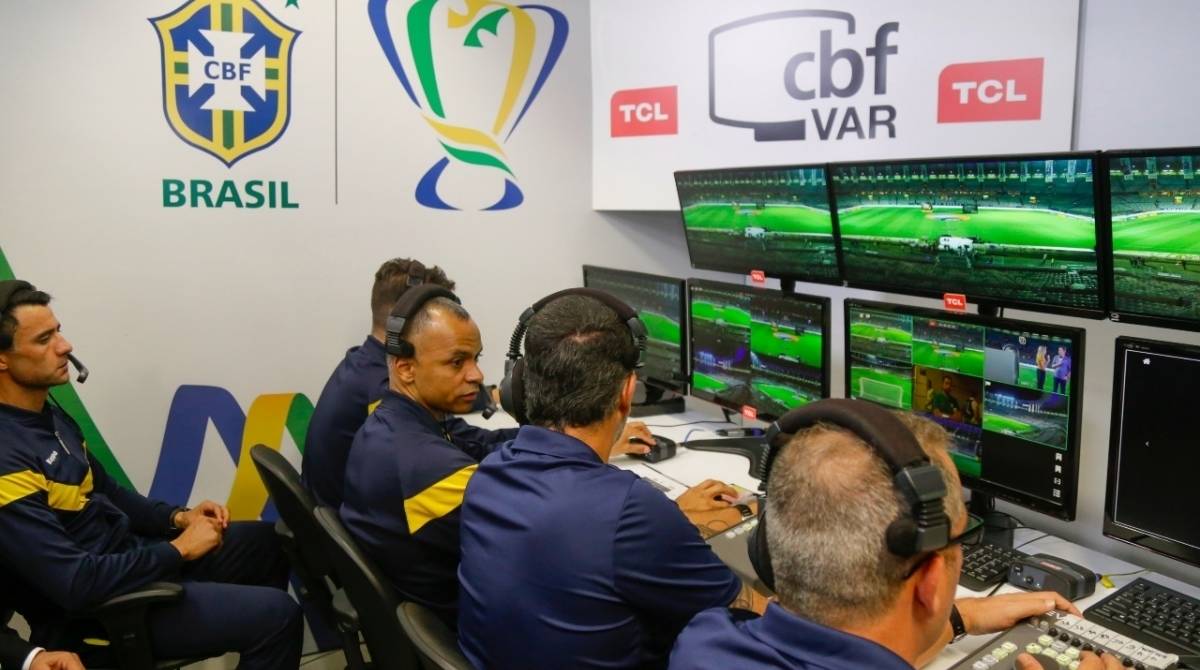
pixel 1008 392
pixel 757 348
pixel 1018 231
pixel 776 220
pixel 1154 199
pixel 659 302
pixel 1153 459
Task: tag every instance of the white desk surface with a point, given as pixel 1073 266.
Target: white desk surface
pixel 692 467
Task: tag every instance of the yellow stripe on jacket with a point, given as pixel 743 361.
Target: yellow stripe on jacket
pixel 438 500
pixel 65 497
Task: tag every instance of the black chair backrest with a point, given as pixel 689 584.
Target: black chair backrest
pixel 370 594
pixel 295 506
pixel 436 643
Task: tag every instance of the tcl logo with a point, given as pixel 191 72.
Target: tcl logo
pixel 1000 90
pixel 645 111
pixel 955 302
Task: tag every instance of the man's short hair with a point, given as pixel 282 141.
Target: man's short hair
pixel 391 281
pixel 576 349
pixel 424 315
pixel 831 500
pixel 8 322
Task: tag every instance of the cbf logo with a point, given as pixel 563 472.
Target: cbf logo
pixel 473 74
pixel 227 73
pixel 812 70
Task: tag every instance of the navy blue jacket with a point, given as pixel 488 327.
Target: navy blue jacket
pixel 68 529
pixel 405 479
pixel 357 383
pixel 568 562
pixel 778 640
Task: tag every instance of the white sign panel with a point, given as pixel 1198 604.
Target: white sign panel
pixel 706 84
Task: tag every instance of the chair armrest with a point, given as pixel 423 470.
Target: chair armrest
pixel 124 619
pixel 154 593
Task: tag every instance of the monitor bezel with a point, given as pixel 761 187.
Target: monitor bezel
pixel 746 269
pixel 1116 315
pixel 685 353
pixel 1067 510
pixel 1111 528
pixel 824 302
pixel 1103 247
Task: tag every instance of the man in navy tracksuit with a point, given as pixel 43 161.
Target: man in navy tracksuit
pixel 73 538
pixel 412 459
pixel 357 384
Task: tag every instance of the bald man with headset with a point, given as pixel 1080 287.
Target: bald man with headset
pixel 861 542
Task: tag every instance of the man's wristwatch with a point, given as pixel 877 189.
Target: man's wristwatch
pixel 175 512
pixel 957 625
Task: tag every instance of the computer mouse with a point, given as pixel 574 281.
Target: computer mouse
pixel 662 449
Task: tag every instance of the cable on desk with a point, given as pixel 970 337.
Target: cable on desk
pixel 1039 537
pixel 995 589
pixel 686 423
pixel 1107 582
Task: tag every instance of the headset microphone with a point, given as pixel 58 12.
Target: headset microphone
pixel 83 371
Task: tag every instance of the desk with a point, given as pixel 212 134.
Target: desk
pixel 689 468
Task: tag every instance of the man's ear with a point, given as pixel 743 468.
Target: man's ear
pixel 4 361
pixel 929 578
pixel 402 368
pixel 627 391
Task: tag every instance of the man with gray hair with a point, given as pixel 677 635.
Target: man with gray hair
pixel 844 599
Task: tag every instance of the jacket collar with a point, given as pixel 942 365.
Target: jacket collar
pixel 538 440
pixel 811 644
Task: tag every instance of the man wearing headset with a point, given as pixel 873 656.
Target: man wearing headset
pixel 410 463
pixel 568 562
pixel 73 538
pixel 357 383
pixel 844 600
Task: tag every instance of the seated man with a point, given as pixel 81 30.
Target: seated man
pixel 73 538
pixel 357 383
pixel 844 600
pixel 568 562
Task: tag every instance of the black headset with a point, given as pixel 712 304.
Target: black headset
pixel 11 287
pixel 512 387
pixel 408 305
pixel 923 528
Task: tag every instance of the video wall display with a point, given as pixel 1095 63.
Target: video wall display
pixel 1155 204
pixel 659 303
pixel 1016 232
pixel 758 348
pixel 772 219
pixel 1006 392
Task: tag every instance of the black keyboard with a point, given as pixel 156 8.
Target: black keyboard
pixel 986 565
pixel 1152 614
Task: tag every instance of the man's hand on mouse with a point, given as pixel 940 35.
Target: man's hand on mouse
pixel 633 429
pixel 707 496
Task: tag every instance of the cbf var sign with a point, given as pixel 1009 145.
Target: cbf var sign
pixel 226 76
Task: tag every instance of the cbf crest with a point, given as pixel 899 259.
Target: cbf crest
pixel 227 75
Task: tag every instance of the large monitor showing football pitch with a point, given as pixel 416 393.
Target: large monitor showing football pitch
pixel 774 219
pixel 1152 455
pixel 1014 231
pixel 758 348
pixel 1154 197
pixel 1007 392
pixel 659 302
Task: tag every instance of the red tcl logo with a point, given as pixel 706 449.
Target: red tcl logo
pixel 999 90
pixel 645 111
pixel 955 302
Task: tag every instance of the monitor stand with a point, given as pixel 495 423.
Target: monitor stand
pixel 657 401
pixel 998 527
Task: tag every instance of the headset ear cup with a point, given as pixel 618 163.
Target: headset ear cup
pixel 760 556
pixel 902 538
pixel 512 391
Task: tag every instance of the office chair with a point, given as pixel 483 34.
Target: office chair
pixel 436 644
pixel 124 619
pixel 303 543
pixel 370 594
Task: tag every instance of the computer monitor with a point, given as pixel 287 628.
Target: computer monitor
pixel 659 302
pixel 1154 197
pixel 1008 393
pixel 755 350
pixel 1014 231
pixel 1152 454
pixel 773 219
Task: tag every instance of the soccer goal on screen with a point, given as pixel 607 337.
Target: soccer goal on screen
pixel 883 393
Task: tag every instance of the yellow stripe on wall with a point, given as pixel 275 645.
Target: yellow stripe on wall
pixel 438 500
